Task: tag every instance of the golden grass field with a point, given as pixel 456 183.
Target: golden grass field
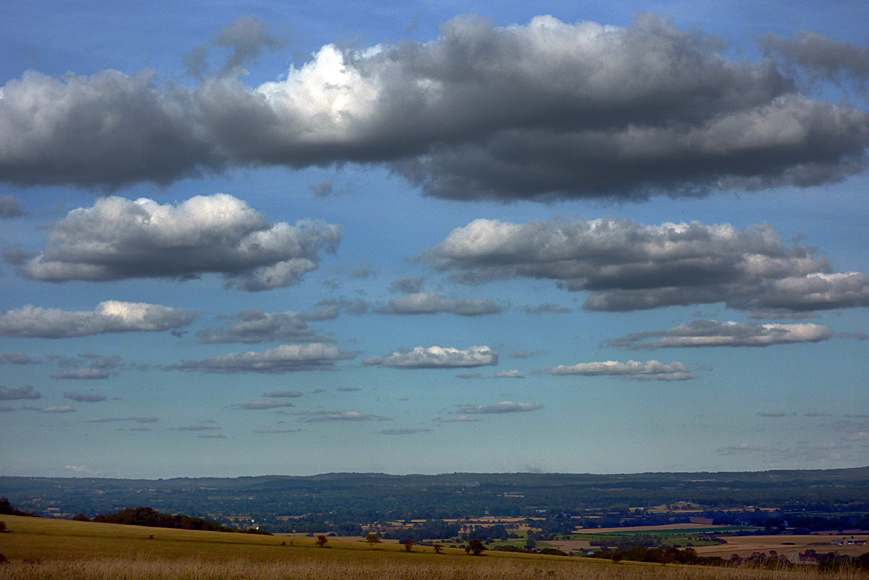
pixel 48 549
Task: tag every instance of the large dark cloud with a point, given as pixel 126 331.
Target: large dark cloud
pixel 712 333
pixel 107 131
pixel 629 266
pixel 109 316
pixel 117 239
pixel 543 111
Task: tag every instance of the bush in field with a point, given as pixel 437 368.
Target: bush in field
pixel 2 526
pixel 321 541
pixel 476 547
pixel 372 538
pixel 408 544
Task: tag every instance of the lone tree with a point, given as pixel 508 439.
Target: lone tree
pixel 321 541
pixel 408 544
pixel 476 547
pixel 439 549
pixel 372 538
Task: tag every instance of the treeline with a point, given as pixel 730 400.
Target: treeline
pixel 797 523
pixel 660 556
pixel 151 518
pixel 6 509
pixel 421 531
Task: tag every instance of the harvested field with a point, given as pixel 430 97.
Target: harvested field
pixel 628 529
pixel 746 545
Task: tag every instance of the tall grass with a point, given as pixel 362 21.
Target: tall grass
pixel 470 569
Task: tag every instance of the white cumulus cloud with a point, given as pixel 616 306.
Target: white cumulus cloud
pixel 651 370
pixel 625 265
pixel 712 333
pixel 281 359
pixel 109 316
pixel 119 239
pixel 437 357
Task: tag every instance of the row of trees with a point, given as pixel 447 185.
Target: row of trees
pixel 148 517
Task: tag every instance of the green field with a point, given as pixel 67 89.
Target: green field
pixel 58 549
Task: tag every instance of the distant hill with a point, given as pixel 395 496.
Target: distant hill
pixel 369 497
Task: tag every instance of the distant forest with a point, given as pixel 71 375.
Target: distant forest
pixel 342 502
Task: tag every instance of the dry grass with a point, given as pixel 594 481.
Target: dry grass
pixel 386 568
pixel 40 549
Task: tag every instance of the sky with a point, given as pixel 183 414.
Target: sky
pixel 432 237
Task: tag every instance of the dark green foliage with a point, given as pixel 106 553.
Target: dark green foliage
pixel 2 526
pixel 552 552
pixel 145 516
pixel 6 509
pixel 511 549
pixel 428 530
pixel 252 531
pixel 341 502
pixel 476 547
pixel 660 556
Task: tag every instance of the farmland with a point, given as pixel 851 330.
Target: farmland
pixel 43 548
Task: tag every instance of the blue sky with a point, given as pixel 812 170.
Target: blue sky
pixel 427 237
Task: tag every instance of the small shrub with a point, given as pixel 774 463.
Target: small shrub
pixel 2 526
pixel 321 541
pixel 476 546
pixel 408 544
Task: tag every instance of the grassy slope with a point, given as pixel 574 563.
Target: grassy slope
pixel 92 551
pixel 49 539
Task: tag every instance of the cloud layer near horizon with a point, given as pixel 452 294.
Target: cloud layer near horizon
pixel 542 111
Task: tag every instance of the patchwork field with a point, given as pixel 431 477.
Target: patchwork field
pixel 59 549
pixel 821 543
